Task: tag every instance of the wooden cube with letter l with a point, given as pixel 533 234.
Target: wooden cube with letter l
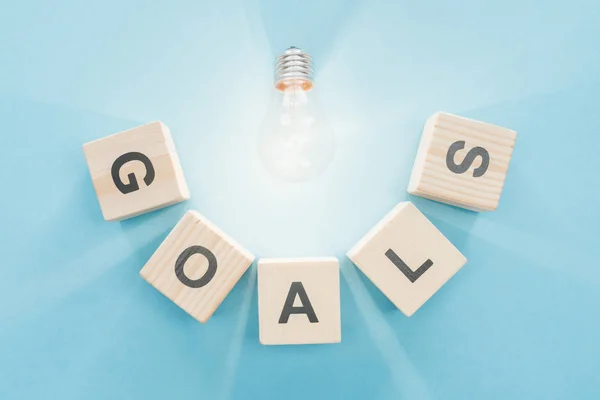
pixel 299 301
pixel 136 171
pixel 197 265
pixel 462 162
pixel 407 257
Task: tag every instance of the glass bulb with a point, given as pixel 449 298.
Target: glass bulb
pixel 296 143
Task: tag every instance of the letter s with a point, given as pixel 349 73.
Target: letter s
pixel 468 160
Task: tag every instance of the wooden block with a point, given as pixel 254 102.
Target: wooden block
pixel 406 257
pixel 462 162
pixel 197 266
pixel 299 301
pixel 136 171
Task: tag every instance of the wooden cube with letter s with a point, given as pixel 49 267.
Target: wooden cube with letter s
pixel 299 301
pixel 136 171
pixel 462 162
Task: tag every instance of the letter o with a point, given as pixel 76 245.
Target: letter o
pixel 208 275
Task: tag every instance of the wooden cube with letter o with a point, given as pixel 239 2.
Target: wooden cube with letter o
pixel 197 265
pixel 299 301
pixel 462 162
pixel 136 171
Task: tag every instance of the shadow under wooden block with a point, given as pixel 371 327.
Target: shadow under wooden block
pixel 196 266
pixel 136 171
pixel 462 162
pixel 406 257
pixel 299 301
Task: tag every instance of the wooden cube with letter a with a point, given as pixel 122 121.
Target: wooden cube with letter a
pixel 136 171
pixel 407 257
pixel 197 265
pixel 299 301
pixel 462 162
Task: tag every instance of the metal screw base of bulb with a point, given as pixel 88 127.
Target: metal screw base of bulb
pixel 294 67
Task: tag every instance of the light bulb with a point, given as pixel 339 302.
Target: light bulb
pixel 296 142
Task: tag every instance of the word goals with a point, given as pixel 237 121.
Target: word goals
pixel 460 162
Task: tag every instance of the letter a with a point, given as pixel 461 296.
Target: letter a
pixel 297 289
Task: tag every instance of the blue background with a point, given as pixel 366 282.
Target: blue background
pixel 520 321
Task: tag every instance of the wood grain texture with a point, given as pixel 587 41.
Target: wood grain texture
pixel 320 280
pixel 407 234
pixel 231 262
pixel 432 178
pixel 155 142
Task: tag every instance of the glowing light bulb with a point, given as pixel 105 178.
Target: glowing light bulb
pixel 296 142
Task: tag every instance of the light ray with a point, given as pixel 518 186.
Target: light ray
pixel 406 379
pixel 237 341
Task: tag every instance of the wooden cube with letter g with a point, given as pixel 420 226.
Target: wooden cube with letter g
pixel 136 171
pixel 462 162
pixel 299 301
